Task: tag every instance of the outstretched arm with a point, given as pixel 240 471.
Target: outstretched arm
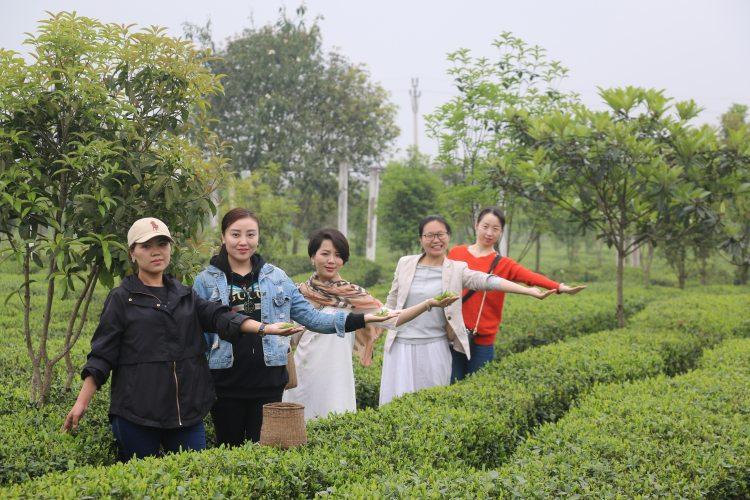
pixel 502 285
pixel 408 314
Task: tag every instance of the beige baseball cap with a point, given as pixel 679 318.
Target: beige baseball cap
pixel 144 229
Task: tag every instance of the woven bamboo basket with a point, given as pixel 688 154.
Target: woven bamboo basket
pixel 283 425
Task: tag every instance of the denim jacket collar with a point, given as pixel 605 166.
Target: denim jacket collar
pixel 265 271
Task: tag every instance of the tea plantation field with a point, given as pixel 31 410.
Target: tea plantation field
pixel 571 406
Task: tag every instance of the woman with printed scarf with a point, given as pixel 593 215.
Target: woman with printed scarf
pixel 325 372
pixel 250 372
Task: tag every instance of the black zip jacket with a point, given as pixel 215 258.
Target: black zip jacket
pixel 156 352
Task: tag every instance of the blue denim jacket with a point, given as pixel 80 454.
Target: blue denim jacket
pixel 280 301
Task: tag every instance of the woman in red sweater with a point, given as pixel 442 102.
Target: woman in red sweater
pixel 483 311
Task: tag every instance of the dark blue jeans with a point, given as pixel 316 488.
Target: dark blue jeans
pixel 143 441
pixel 480 356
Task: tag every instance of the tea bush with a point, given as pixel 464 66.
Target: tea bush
pixel 476 423
pixel 681 437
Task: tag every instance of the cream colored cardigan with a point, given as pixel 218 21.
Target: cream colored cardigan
pixel 456 277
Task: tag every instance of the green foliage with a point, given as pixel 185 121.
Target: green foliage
pixel 527 323
pixel 683 437
pixel 477 423
pixel 103 126
pixel 634 173
pixel 290 103
pixel 409 192
pixel 298 266
pixel 714 311
pixel 735 240
pixel 262 193
pixel 470 128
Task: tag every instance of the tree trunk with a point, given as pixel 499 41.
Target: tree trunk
pixel 680 265
pixel 537 259
pixel 704 270
pixel 35 373
pixel 647 265
pixel 343 204
pixel 743 273
pixel 620 278
pixel 372 213
pixel 70 372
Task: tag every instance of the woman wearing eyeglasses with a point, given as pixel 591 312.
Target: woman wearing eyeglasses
pixel 417 354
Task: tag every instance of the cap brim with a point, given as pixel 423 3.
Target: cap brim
pixel 152 235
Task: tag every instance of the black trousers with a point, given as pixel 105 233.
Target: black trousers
pixel 238 420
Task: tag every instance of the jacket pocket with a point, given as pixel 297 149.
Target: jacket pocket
pixel 220 354
pixel 275 349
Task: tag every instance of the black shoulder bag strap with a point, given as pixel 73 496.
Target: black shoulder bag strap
pixel 492 270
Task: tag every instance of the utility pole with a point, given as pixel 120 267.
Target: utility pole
pixel 343 197
pixel 372 212
pixel 415 94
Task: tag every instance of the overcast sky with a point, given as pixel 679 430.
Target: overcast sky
pixel 692 48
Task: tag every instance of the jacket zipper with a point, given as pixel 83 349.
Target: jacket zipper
pixel 174 368
pixel 177 392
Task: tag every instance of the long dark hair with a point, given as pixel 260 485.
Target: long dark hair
pixel 494 211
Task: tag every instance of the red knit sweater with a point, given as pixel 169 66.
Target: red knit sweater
pixel 492 313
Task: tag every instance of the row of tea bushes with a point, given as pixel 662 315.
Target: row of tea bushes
pixel 528 323
pixel 685 437
pixel 477 423
pixel 681 437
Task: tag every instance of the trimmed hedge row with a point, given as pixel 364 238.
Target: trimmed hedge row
pixel 36 447
pixel 528 323
pixel 685 437
pixel 682 437
pixel 473 424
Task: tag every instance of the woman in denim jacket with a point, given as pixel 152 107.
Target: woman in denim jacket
pixel 150 339
pixel 251 372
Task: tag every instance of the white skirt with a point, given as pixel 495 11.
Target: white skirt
pixel 325 375
pixel 411 367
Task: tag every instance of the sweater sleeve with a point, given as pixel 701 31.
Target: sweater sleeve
pixel 518 273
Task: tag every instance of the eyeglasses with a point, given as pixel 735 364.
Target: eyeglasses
pixel 432 236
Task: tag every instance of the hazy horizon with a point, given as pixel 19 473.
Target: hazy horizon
pixel 692 49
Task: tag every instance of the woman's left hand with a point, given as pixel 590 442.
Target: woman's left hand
pixel 541 294
pixel 375 318
pixel 570 290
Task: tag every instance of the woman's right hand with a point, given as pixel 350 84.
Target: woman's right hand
pixel 74 416
pixel 283 329
pixel 82 403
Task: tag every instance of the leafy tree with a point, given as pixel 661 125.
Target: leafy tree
pixel 289 103
pixel 603 170
pixel 735 241
pixel 93 135
pixel 470 128
pixel 409 192
pixel 261 192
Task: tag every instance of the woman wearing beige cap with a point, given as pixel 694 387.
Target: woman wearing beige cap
pixel 150 338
